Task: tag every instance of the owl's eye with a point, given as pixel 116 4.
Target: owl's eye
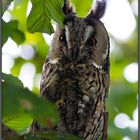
pixel 92 42
pixel 62 38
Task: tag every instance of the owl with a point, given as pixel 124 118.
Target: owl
pixel 75 74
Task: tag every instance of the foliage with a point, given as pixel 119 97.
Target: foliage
pixel 11 29
pixel 21 106
pixel 24 105
pixel 41 14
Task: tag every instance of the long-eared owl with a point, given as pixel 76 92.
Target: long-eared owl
pixel 75 74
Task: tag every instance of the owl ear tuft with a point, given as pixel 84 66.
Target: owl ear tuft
pixel 99 9
pixel 67 8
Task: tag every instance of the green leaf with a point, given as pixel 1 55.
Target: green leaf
pixel 21 100
pixel 18 36
pixel 10 29
pixel 6 29
pixel 56 14
pixel 19 13
pixel 11 80
pixel 39 19
pixel 82 7
pixel 18 122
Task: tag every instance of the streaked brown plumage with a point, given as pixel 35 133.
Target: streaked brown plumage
pixel 76 73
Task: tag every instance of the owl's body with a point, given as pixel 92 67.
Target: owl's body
pixel 76 74
pixel 79 92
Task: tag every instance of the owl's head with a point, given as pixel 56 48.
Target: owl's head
pixel 82 40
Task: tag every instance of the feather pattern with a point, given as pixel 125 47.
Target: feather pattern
pixel 75 75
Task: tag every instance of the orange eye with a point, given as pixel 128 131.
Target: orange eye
pixel 92 42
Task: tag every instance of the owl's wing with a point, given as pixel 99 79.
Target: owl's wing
pixel 46 90
pixel 48 79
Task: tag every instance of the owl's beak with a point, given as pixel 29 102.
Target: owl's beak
pixel 74 54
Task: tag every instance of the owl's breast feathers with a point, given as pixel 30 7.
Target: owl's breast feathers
pixel 79 92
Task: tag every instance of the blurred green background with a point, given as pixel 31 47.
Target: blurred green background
pixel 23 55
